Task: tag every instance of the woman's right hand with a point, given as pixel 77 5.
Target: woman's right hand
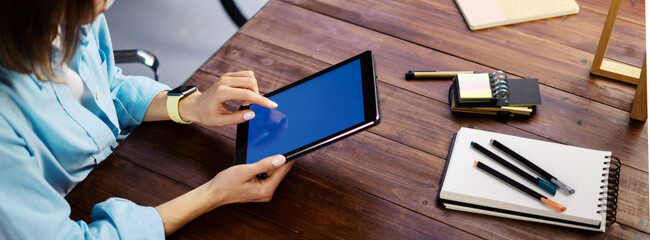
pixel 236 184
pixel 239 183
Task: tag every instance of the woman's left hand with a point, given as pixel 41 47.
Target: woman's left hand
pixel 208 108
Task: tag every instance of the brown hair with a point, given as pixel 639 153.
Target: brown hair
pixel 28 27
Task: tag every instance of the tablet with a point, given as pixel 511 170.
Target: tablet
pixel 312 112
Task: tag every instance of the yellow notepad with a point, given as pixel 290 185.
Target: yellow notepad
pixel 480 14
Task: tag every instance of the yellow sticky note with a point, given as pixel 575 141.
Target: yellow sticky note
pixel 474 86
pixel 475 93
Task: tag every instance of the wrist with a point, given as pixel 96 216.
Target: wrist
pixel 216 195
pixel 186 107
pixel 183 209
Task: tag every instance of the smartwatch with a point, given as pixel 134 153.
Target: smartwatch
pixel 173 97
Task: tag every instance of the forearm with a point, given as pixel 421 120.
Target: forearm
pixel 236 184
pixel 157 110
pixel 183 209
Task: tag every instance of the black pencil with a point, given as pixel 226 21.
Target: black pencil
pixel 548 202
pixel 532 166
pixel 537 181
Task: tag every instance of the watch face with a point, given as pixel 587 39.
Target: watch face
pixel 182 90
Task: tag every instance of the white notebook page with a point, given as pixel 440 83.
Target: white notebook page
pixel 579 168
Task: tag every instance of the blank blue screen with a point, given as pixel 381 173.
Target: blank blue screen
pixel 308 112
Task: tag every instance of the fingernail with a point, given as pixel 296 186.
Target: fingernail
pixel 274 104
pixel 278 161
pixel 249 115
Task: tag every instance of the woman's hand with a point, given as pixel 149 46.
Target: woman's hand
pixel 208 108
pixel 234 185
pixel 239 184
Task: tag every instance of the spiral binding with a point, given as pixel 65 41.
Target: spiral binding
pixel 609 199
pixel 500 87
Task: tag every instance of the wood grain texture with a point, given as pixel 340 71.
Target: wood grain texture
pixel 628 38
pixel 369 167
pixel 562 117
pixel 343 210
pixel 431 131
pixel 631 10
pixel 381 183
pixel 555 64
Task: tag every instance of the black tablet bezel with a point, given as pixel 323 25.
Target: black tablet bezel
pixel 372 115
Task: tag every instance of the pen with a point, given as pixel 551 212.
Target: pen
pixel 537 181
pixel 414 75
pixel 550 203
pixel 532 166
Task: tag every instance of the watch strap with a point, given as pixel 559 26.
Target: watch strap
pixel 172 109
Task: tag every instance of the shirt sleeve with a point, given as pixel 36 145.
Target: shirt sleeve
pixel 30 208
pixel 131 94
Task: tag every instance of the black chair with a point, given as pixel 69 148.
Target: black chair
pixel 234 12
pixel 138 56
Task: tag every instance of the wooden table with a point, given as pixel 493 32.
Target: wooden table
pixel 382 183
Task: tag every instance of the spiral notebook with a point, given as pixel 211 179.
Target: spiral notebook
pixel 480 14
pixel 494 94
pixel 494 89
pixel 592 174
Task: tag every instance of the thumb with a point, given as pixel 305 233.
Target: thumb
pixel 267 164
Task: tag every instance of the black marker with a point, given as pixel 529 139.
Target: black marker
pixel 532 166
pixel 537 181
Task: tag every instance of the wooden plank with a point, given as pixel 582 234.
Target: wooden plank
pixel 359 161
pixel 555 64
pixel 628 38
pixel 359 193
pixel 118 177
pixel 633 11
pixel 337 209
pixel 432 127
pixel 561 117
pixel 430 131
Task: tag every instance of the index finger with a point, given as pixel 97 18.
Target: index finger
pixel 247 73
pixel 246 95
pixel 240 82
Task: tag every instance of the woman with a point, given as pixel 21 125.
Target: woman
pixel 63 105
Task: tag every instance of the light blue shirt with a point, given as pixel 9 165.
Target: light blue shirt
pixel 49 142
